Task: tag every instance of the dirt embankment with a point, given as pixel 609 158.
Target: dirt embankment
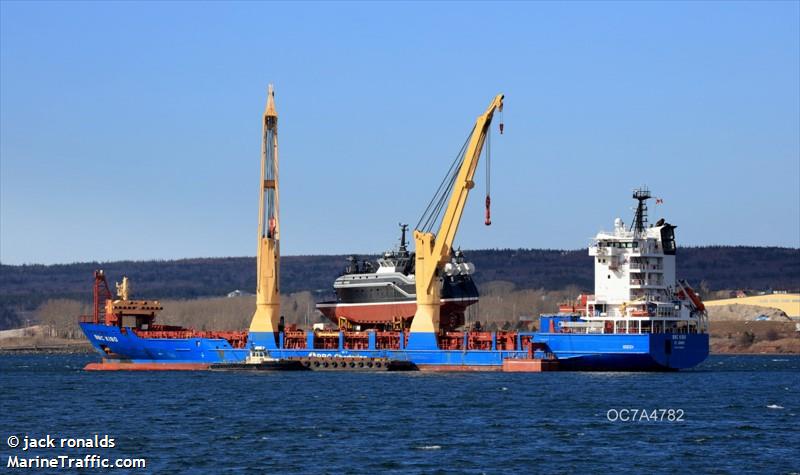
pixel 734 329
pixel 754 337
pixel 739 312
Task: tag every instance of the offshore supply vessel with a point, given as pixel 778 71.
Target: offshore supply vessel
pixel 384 296
pixel 640 316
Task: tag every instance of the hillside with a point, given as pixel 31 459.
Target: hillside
pixel 23 288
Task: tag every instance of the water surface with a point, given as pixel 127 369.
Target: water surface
pixel 739 413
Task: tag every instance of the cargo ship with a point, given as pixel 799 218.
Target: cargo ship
pixel 640 317
pixel 383 296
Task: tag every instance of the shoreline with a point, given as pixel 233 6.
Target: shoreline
pixel 78 347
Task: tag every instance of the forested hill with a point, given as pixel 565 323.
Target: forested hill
pixel 24 287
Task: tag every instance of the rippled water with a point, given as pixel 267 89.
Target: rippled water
pixel 740 413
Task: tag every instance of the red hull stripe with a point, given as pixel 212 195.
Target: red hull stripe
pixel 468 301
pixel 453 367
pixel 108 366
pixel 529 366
pixel 383 313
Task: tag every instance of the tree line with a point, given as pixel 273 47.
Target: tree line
pixel 24 288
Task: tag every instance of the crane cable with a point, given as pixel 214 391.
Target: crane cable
pixel 488 221
pixel 430 216
pixel 433 219
pixel 269 174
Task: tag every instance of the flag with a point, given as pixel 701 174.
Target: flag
pixel 659 201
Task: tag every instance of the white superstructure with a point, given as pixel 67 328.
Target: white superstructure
pixel 636 290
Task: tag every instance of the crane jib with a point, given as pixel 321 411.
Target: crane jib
pixel 433 250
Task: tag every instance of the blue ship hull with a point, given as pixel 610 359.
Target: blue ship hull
pixel 123 344
pixel 577 352
pixel 627 352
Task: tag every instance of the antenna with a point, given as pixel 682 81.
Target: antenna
pixel 640 219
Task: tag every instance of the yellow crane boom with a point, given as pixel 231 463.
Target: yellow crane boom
pixel 433 250
pixel 266 318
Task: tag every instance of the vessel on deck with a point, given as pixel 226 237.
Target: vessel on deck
pixel 384 297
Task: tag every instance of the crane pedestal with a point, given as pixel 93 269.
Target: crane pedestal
pixel 425 327
pixel 264 326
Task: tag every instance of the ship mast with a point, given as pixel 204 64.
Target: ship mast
pixel 640 219
pixel 264 325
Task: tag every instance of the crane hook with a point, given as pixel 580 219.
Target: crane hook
pixel 501 120
pixel 488 221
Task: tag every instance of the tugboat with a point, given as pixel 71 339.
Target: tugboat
pixel 259 360
pixel 384 297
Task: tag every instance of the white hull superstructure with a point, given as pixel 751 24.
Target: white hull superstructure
pixel 636 290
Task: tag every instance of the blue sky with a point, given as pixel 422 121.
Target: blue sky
pixel 132 130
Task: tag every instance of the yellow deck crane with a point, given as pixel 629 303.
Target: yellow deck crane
pixel 265 323
pixel 433 251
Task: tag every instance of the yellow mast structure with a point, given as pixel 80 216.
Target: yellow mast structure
pixel 267 315
pixel 433 250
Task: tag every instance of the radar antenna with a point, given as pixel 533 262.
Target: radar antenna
pixel 403 229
